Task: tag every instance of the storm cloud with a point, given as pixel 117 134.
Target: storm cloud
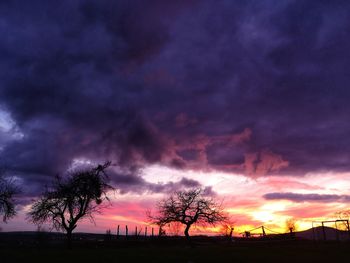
pixel 252 87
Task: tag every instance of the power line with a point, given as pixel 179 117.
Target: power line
pixel 262 230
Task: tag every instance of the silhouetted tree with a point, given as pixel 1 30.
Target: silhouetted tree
pixel 227 228
pixel 291 226
pixel 71 199
pixel 344 215
pixel 7 204
pixel 188 207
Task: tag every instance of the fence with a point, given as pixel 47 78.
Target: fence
pixel 331 230
pixel 138 231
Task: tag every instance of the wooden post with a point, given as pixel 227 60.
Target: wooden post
pixel 348 226
pixel 263 231
pixel 136 231
pixel 153 232
pixel 336 229
pixel 118 231
pixel 324 232
pixel 146 231
pixel 126 231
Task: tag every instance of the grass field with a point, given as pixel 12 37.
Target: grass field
pixel 298 253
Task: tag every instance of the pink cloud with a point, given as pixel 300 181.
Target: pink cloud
pixel 234 138
pixel 200 143
pixel 310 211
pixel 264 162
pixel 136 210
pixel 279 184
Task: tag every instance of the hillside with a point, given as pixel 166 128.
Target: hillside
pixel 317 234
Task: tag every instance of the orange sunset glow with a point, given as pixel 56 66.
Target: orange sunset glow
pixel 242 197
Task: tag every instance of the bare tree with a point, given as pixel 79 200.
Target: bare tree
pixel 188 208
pixel 7 204
pixel 291 225
pixel 71 199
pixel 227 228
pixel 344 215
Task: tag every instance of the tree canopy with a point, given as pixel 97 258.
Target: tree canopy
pixel 72 198
pixel 188 207
pixel 7 203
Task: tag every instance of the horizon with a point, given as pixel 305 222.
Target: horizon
pixel 247 100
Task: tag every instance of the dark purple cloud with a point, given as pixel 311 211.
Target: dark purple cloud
pixel 295 197
pixel 125 183
pixel 257 87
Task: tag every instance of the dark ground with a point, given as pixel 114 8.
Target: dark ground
pixel 93 248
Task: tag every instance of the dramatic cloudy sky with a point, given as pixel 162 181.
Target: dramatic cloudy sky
pixel 247 99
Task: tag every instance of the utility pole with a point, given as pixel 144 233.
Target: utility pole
pixel 263 231
pixel 323 231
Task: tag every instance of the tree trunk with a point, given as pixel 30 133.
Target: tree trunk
pixel 69 239
pixel 186 232
pixel 230 235
pixel 188 236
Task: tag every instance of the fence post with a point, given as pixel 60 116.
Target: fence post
pixel 324 232
pixel 336 231
pixel 263 231
pixel 118 232
pixel 153 232
pixel 146 231
pixel 126 231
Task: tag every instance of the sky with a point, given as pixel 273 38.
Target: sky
pixel 248 100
